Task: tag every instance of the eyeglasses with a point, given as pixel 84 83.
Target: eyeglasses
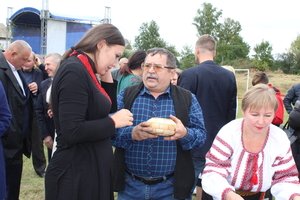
pixel 156 67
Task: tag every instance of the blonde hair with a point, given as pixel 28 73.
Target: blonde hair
pixel 207 42
pixel 259 96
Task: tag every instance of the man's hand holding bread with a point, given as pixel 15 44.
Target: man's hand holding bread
pixel 171 129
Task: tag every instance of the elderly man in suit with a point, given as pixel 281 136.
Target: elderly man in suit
pixel 16 140
pixel 45 121
pixel 215 89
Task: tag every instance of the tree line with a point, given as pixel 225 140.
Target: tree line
pixel 231 48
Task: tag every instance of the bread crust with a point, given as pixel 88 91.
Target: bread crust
pixel 162 126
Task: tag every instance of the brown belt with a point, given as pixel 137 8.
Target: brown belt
pixel 249 193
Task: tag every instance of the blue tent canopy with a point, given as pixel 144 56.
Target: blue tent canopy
pixel 26 25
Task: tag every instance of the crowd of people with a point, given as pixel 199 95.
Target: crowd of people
pixel 90 107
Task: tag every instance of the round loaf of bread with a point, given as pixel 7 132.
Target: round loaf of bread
pixel 162 126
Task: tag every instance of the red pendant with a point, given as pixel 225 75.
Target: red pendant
pixel 254 180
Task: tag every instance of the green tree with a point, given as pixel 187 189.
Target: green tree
pixel 295 46
pixel 230 44
pixel 263 58
pixel 187 58
pixel 295 50
pixel 206 20
pixel 149 37
pixel 286 61
pixel 128 49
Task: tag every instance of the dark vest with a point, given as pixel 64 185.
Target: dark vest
pixel 184 170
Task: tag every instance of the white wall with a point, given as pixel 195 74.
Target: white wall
pixel 56 36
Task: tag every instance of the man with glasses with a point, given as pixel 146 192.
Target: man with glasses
pixel 150 166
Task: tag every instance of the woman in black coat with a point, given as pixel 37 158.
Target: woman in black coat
pixel 81 167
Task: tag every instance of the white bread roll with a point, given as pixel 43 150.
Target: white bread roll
pixel 162 126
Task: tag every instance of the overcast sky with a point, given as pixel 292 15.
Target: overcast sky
pixel 275 21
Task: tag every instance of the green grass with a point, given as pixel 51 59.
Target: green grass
pixel 32 186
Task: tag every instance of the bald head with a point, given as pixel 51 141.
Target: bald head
pixel 123 62
pixel 19 45
pixel 18 53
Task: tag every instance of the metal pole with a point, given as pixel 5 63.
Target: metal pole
pixel 44 17
pixel 8 26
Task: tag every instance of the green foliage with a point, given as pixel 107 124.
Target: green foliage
pixel 231 48
pixel 286 61
pixel 260 65
pixel 187 58
pixel 172 49
pixel 230 44
pixel 149 37
pixel 240 63
pixel 295 46
pixel 295 50
pixel 127 53
pixel 206 20
pixel 289 62
pixel 263 56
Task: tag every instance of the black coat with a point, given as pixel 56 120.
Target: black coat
pixel 45 123
pixel 81 167
pixel 17 138
pixel 216 91
pixel 37 76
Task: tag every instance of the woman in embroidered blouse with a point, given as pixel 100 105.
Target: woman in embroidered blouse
pixel 250 155
pixel 81 167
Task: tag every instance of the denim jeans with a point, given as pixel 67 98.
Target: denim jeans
pixel 137 190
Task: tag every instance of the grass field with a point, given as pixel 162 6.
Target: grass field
pixel 32 186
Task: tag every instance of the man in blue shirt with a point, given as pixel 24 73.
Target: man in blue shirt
pixel 155 166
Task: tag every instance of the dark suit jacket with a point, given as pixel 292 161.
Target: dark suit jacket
pixel 216 91
pixel 16 140
pixel 37 76
pixel 45 123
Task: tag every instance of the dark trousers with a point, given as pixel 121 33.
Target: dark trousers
pixel 296 149
pixel 13 177
pixel 49 152
pixel 37 149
